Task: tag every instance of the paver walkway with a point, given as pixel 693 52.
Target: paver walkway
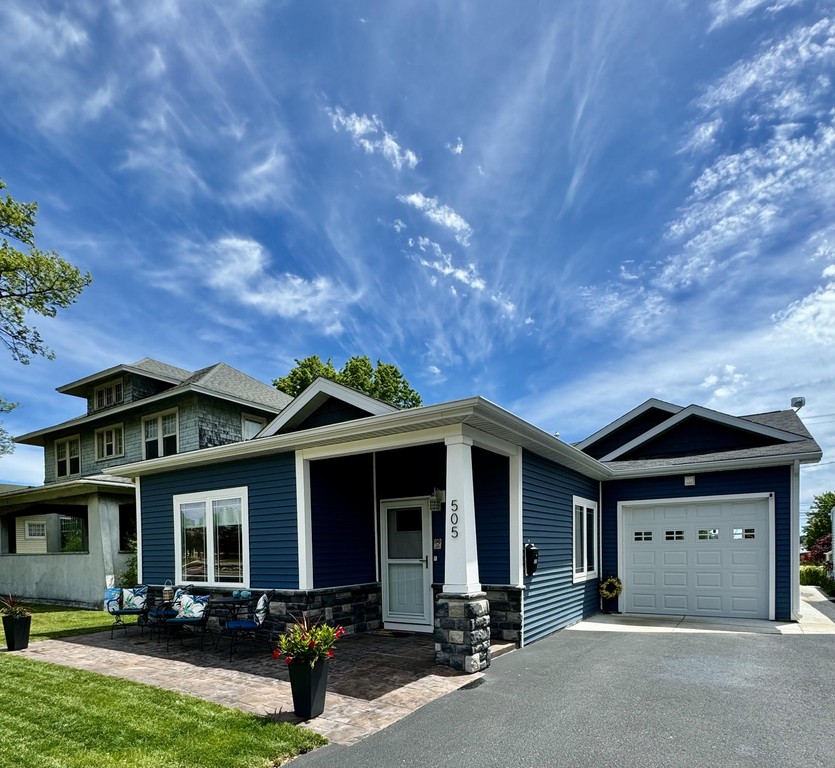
pixel 374 679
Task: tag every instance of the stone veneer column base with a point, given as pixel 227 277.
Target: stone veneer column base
pixel 462 631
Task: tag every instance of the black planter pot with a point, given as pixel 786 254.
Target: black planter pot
pixel 16 629
pixel 308 685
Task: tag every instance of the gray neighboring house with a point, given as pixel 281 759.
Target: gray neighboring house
pixel 66 540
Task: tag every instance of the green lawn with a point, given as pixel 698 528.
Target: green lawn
pixel 51 621
pixel 54 716
pixel 57 717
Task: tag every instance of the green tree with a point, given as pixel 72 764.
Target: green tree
pixel 819 520
pixel 31 282
pixel 384 381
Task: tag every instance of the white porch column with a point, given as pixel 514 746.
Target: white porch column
pixel 461 560
pixel 304 521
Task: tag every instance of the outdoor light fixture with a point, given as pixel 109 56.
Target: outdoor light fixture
pixel 437 498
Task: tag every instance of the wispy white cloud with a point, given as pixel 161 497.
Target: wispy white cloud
pixel 265 181
pixel 440 214
pixel 727 11
pixel 370 134
pixel 442 264
pixel 457 148
pixel 240 270
pixel 725 382
pixel 811 318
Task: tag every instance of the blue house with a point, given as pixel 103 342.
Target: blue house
pixel 428 519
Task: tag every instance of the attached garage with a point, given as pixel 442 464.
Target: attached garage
pixel 699 556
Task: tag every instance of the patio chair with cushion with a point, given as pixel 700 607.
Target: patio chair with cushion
pixel 192 612
pixel 246 622
pixel 120 602
pixel 160 610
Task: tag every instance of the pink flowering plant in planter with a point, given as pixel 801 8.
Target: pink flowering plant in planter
pixel 306 643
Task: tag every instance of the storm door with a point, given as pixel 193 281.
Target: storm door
pixel 405 543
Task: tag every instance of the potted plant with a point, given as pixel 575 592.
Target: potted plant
pixel 17 622
pixel 610 588
pixel 306 648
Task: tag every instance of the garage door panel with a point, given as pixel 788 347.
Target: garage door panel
pixel 644 558
pixel 643 579
pixel 708 579
pixel 708 557
pixel 644 601
pixel 712 603
pixel 697 558
pixel 673 559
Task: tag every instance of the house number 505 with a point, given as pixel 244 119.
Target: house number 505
pixel 453 518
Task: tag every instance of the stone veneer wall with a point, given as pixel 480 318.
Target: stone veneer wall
pixel 462 631
pixel 357 608
pixel 505 612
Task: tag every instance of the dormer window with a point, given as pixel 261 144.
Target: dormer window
pixel 108 394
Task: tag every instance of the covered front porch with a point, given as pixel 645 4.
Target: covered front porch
pixel 414 537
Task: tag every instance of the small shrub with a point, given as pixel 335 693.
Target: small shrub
pixel 813 576
pixel 818 550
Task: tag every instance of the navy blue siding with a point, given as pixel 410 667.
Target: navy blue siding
pixel 415 471
pixel 776 480
pixel 273 547
pixel 332 411
pixel 629 431
pixel 552 599
pixel 491 481
pixel 697 435
pixel 342 502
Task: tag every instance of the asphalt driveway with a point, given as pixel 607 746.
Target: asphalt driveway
pixel 606 698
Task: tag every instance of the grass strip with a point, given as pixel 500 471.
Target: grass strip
pixel 57 717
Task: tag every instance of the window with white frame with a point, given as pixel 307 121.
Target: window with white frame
pixel 160 435
pixel 68 456
pixel 251 425
pixel 109 442
pixel 108 394
pixel 585 539
pixel 35 529
pixel 211 531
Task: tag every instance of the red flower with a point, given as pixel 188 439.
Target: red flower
pixel 330 654
pixel 312 643
pixel 275 653
pixel 289 659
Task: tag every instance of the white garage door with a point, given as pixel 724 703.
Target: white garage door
pixel 697 557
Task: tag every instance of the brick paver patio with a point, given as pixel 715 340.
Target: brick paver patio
pixel 374 680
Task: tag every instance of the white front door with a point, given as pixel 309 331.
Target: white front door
pixel 405 538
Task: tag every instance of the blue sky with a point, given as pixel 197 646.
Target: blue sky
pixel 566 207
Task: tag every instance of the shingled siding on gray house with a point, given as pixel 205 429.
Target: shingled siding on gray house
pixel 552 599
pixel 273 543
pixel 776 480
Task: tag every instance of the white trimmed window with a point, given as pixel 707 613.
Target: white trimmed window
pixel 585 538
pixel 35 529
pixel 212 534
pixel 251 425
pixel 68 456
pixel 108 394
pixel 160 435
pixel 110 442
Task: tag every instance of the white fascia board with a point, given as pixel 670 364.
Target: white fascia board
pixel 627 417
pixel 410 424
pixel 705 413
pixel 306 402
pixel 63 490
pixel 715 466
pixel 108 414
pixel 110 373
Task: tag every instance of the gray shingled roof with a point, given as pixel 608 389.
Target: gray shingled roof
pixel 788 421
pixel 220 379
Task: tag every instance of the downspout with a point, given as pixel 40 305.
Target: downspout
pixel 600 541
pixel 795 542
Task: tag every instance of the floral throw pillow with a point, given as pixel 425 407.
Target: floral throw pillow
pixel 192 607
pixel 112 598
pixel 134 599
pixel 261 609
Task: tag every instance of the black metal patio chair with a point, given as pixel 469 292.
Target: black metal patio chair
pixel 246 622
